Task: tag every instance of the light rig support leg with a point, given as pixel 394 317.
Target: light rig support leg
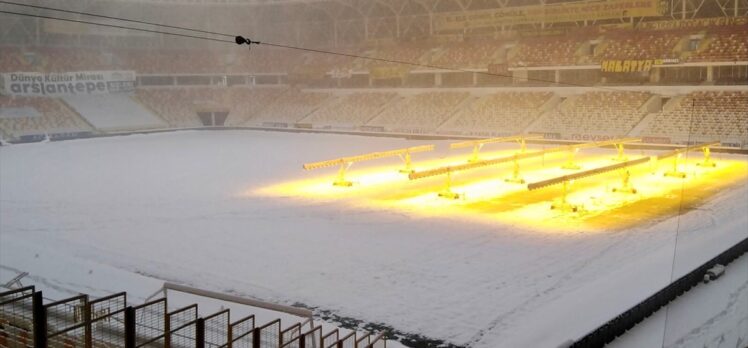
pixel 625 183
pixel 474 156
pixel 340 180
pixel 563 204
pixel 570 164
pixel 516 178
pixel 447 192
pixel 408 165
pixel 675 172
pixel 621 156
pixel 707 158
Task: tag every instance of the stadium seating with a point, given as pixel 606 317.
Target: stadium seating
pixel 405 53
pixel 546 51
pixel 703 115
pixel 245 103
pixel 175 105
pixel 179 106
pixel 291 106
pixel 467 55
pixel 12 60
pixel 52 116
pixel 633 44
pixel 352 109
pixel 509 112
pixel 726 44
pixel 425 111
pixel 596 113
pixel 114 112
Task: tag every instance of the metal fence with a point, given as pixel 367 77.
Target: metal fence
pixel 68 323
pixel 241 332
pixel 108 322
pixel 183 327
pixel 330 339
pixel 16 318
pixel 268 335
pixel 151 324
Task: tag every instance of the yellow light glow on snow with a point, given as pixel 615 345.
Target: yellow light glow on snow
pixel 485 196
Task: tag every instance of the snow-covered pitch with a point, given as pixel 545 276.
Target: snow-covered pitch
pixel 125 213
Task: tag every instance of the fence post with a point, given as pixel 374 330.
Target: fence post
pixel 255 338
pixel 40 320
pixel 302 341
pixel 129 327
pixel 230 335
pixel 200 333
pixel 167 330
pixel 87 316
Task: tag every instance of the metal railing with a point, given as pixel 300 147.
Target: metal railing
pixel 108 322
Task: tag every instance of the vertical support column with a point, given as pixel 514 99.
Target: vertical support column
pixel 129 327
pixel 40 320
pixel 200 333
pixel 710 73
pixel 302 341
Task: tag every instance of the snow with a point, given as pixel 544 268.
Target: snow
pixel 175 207
pixel 709 315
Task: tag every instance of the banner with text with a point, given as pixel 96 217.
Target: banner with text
pixel 34 84
pixel 633 65
pixel 562 12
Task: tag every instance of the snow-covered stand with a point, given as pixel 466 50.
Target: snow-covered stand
pixel 617 326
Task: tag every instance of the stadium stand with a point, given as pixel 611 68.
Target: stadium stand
pixel 546 51
pixel 114 112
pixel 633 44
pixel 509 112
pixel 724 44
pixel 467 54
pixel 596 113
pixel 425 111
pixel 11 59
pixel 716 115
pixel 245 103
pixel 37 115
pixel 352 109
pixel 402 52
pixel 291 106
pixel 175 105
